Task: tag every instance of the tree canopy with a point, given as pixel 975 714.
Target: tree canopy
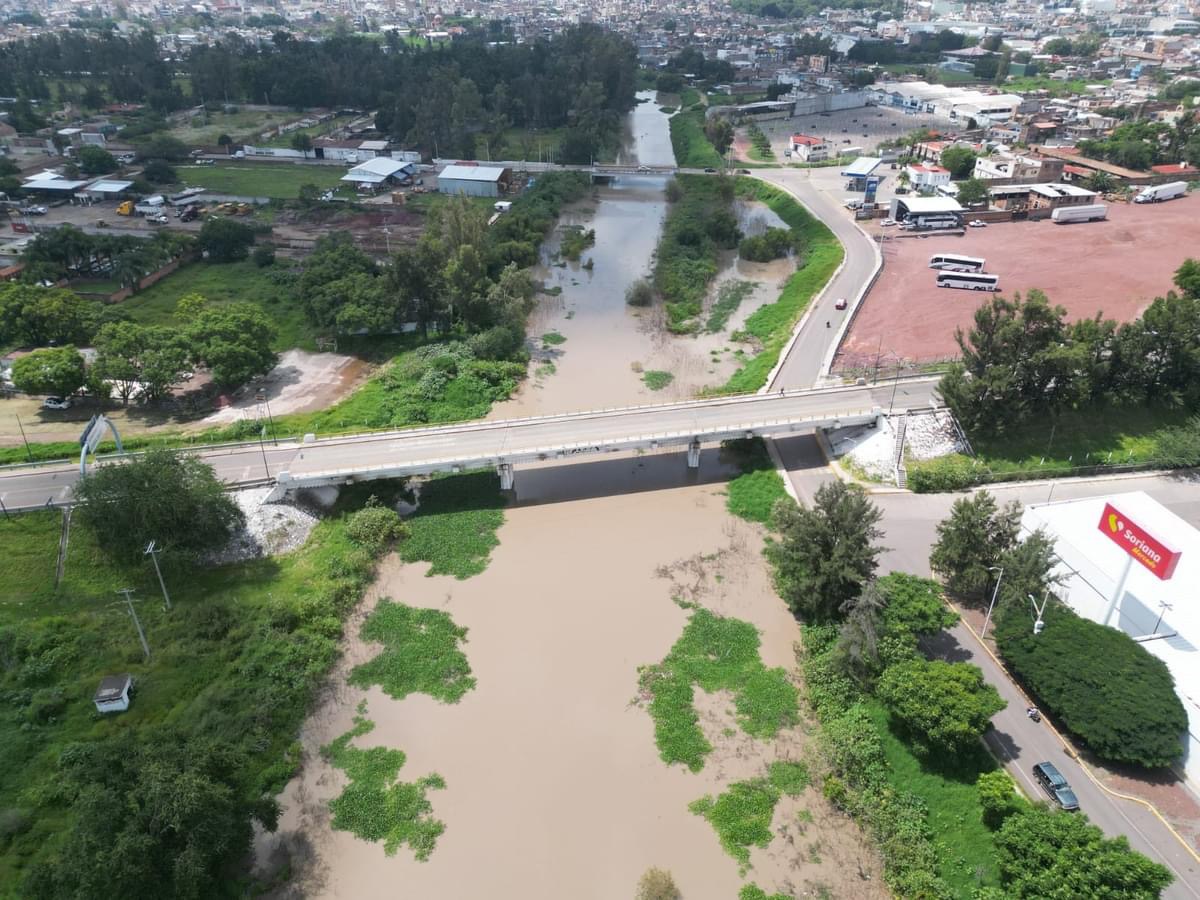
pixel 943 706
pixel 960 161
pixel 825 553
pixel 226 240
pixel 57 370
pixel 972 540
pixel 162 496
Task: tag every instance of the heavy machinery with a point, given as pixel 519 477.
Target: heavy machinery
pixel 125 208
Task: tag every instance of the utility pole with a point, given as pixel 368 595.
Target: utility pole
pixel 262 437
pixel 25 439
pixel 128 592
pixel 992 605
pixel 152 551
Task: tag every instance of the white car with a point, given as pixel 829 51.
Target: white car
pixel 887 223
pixel 35 210
pixel 977 223
pixel 56 403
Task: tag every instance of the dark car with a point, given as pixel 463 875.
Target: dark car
pixel 1055 785
pixel 709 169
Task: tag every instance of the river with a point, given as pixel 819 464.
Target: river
pixel 554 785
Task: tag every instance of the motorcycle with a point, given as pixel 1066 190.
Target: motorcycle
pixel 1033 714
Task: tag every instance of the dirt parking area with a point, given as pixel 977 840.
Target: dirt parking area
pixel 864 127
pixel 1115 267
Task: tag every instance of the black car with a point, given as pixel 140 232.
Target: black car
pixel 1054 784
pixel 709 169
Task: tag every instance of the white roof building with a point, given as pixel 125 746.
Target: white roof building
pixel 378 170
pixel 1162 615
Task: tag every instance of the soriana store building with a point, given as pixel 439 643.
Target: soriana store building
pixel 1129 562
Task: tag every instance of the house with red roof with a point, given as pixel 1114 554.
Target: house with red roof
pixel 811 149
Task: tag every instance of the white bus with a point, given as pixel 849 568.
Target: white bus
pixel 934 220
pixel 971 281
pixel 953 262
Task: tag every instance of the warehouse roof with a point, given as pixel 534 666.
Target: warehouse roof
pixel 376 171
pixel 109 187
pixel 471 173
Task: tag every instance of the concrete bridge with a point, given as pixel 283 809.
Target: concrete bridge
pixel 602 172
pixel 507 443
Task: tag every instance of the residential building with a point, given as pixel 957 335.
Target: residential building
pixel 927 177
pixel 811 149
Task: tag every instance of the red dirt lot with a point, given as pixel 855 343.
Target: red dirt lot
pixel 1116 267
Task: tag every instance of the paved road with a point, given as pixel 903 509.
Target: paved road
pixel 909 523
pixel 820 191
pixel 424 450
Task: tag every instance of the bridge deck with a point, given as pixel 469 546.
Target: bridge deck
pixel 427 450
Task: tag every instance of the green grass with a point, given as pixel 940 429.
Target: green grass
pixel 314 131
pixel 760 149
pixel 772 324
pixel 693 150
pixel 715 654
pixel 245 179
pixel 576 241
pixel 1053 85
pixel 524 143
pixel 221 284
pixel 243 126
pixel 729 298
pixel 454 528
pixel 689 98
pixel 754 892
pixel 754 493
pixel 553 339
pixel 656 380
pixel 375 806
pixel 238 659
pixel 967 850
pixel 742 814
pixel 420 654
pixel 688 253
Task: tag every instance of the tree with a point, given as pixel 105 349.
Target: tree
pixel 163 496
pixel 161 146
pixel 960 161
pixel 971 541
pixel 96 161
pixel 58 371
pixel 973 192
pixel 159 171
pixel 303 142
pixel 998 796
pixel 233 341
pixel 825 554
pixel 226 142
pixel 1187 279
pixel 719 132
pixel 944 706
pixel 36 316
pixel 1029 570
pixel 1105 687
pixel 1045 854
pixel 1100 182
pixel 225 240
pixel 133 358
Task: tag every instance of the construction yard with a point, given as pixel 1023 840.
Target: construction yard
pixel 1114 267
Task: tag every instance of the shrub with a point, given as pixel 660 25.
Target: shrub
pixel 1108 690
pixel 657 884
pixel 772 244
pixel 263 255
pixel 640 293
pixel 944 706
pixel 998 796
pixel 946 473
pixel 375 527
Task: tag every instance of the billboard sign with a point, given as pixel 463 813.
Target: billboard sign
pixel 1151 552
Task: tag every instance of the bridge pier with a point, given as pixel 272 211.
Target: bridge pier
pixel 507 478
pixel 694 455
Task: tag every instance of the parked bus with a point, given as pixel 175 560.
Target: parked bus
pixel 953 262
pixel 971 281
pixel 934 220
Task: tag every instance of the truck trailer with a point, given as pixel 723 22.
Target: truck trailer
pixel 1158 192
pixel 1093 212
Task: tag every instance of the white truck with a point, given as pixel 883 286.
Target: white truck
pixel 150 206
pixel 1158 192
pixel 1093 212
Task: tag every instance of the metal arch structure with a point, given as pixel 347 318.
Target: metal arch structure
pixel 93 434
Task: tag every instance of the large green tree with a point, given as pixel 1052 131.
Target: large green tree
pixel 971 542
pixel 57 370
pixel 142 359
pixel 826 552
pixel 960 161
pixel 34 316
pixel 226 240
pixel 162 496
pixel 1046 856
pixel 943 706
pixel 233 341
pixel 973 192
pixel 96 161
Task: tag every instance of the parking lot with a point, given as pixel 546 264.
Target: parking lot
pixel 865 127
pixel 1115 267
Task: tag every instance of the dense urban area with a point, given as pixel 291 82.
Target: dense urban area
pixel 737 450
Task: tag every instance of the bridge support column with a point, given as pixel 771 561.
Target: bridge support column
pixel 694 455
pixel 507 479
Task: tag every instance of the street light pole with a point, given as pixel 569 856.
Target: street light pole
pixel 152 551
pixel 992 605
pixel 1161 610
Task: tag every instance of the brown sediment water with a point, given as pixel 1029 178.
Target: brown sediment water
pixel 554 786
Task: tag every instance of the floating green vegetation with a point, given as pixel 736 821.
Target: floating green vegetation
pixel 455 526
pixel 656 380
pixel 729 298
pixel 553 339
pixel 742 815
pixel 420 653
pixel 375 806
pixel 717 654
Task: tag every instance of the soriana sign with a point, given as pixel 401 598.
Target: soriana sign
pixel 1139 543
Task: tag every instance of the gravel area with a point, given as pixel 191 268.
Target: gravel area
pixel 271 529
pixel 932 434
pixel 870 449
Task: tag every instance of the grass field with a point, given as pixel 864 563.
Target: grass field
pixel 274 180
pixel 240 282
pixel 314 131
pixel 968 852
pixel 245 125
pixel 772 324
pixel 692 149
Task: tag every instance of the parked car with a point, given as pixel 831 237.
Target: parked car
pixel 34 210
pixel 643 168
pixel 977 223
pixel 841 303
pixel 1054 784
pixel 56 403
pixel 157 220
pixel 887 223
pixel 709 169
